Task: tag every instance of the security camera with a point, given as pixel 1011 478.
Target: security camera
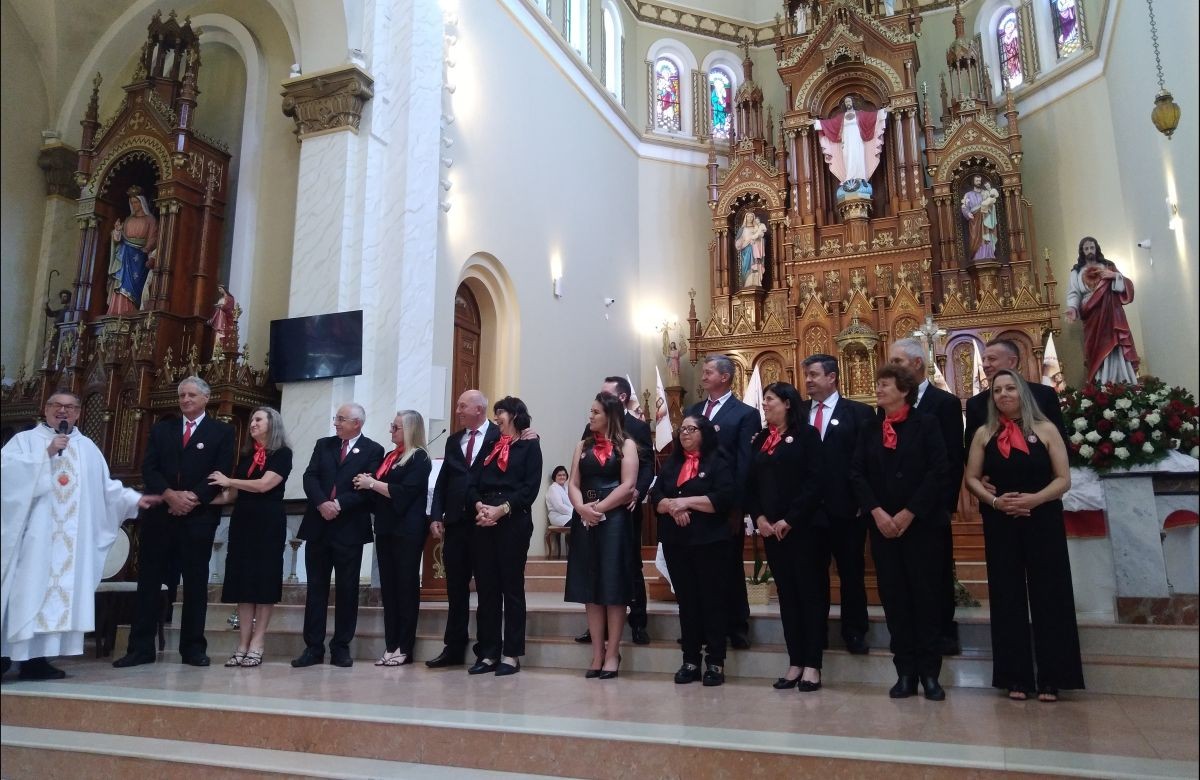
pixel 1144 243
pixel 609 301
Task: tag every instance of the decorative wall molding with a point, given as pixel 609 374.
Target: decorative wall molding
pixel 58 164
pixel 329 100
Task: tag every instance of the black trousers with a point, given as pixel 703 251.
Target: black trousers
pixel 908 586
pixel 498 555
pixel 161 540
pixel 456 556
pixel 737 604
pixel 847 543
pixel 949 628
pixel 1029 571
pixel 637 607
pixel 400 589
pixel 321 558
pixel 800 566
pixel 702 595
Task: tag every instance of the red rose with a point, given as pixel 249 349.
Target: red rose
pixel 1102 399
pixel 1104 426
pixel 1105 448
pixel 1174 423
pixel 1089 391
pixel 1138 438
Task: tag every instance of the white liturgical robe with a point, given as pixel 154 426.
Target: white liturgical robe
pixel 60 515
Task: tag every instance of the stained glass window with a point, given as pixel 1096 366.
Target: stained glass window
pixel 720 98
pixel 666 96
pixel 1066 26
pixel 1008 42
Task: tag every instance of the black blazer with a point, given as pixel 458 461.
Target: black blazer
pixel 1045 396
pixel 715 480
pixel 736 423
pixel 846 424
pixel 353 524
pixel 402 512
pixel 170 465
pixel 455 477
pixel 518 484
pixel 948 411
pixel 912 477
pixel 784 485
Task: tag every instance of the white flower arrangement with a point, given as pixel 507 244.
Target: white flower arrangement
pixel 1117 437
pixel 1121 453
pixel 1086 450
pixel 1092 436
pixel 1109 414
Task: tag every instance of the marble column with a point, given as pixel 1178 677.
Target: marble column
pixel 1134 528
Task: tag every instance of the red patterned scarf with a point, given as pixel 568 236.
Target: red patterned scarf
pixel 890 440
pixel 690 468
pixel 259 460
pixel 1010 438
pixel 601 447
pixel 389 461
pixel 772 441
pixel 499 453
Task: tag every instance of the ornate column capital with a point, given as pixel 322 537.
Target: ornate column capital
pixel 58 162
pixel 328 101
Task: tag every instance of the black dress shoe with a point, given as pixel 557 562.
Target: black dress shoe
pixel 933 689
pixel 585 638
pixel 482 666
pixel 856 645
pixel 739 641
pixel 592 674
pixel 906 685
pixel 783 683
pixel 688 673
pixel 447 657
pixel 949 645
pixel 342 660
pixel 39 669
pixel 641 636
pixel 134 659
pixel 807 686
pixel 307 658
pixel 713 675
pixel 505 669
pixel 200 659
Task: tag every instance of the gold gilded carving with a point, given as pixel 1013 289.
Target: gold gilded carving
pixel 833 285
pixel 816 340
pixel 964 359
pixel 148 147
pixel 858 280
pixel 883 240
pixel 332 100
pixel 730 196
pixel 947 166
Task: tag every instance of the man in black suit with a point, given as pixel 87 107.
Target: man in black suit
pixel 180 455
pixel 336 525
pixel 736 424
pixel 639 431
pixel 452 521
pixel 1000 354
pixel 840 422
pixel 946 407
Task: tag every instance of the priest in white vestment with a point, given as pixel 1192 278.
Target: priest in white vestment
pixel 61 513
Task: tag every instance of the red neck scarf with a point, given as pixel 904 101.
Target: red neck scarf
pixel 890 440
pixel 499 453
pixel 259 461
pixel 772 441
pixel 389 461
pixel 1010 438
pixel 690 468
pixel 601 447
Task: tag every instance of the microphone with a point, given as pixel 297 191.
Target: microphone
pixel 63 427
pixel 435 438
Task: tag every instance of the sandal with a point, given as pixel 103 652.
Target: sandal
pixel 1018 694
pixel 392 659
pixel 252 658
pixel 1048 694
pixel 237 659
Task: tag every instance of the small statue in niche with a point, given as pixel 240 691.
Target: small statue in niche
pixel 852 144
pixel 751 247
pixel 222 318
pixel 979 209
pixel 134 254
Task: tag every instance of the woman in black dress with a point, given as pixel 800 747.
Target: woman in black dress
pixel 1025 543
pixel 781 496
pixel 692 497
pixel 506 488
pixel 598 565
pixel 257 532
pixel 399 487
pixel 899 472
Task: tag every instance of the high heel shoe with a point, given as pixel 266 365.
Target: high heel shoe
pixel 592 674
pixel 607 674
pixel 808 686
pixel 783 683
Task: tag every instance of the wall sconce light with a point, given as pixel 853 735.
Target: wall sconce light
pixel 1173 218
pixel 558 287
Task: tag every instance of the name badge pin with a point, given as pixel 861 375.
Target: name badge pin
pixel 200 446
pixel 788 439
pixel 833 422
pixel 355 450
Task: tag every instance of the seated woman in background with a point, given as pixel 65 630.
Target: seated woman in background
pixel 400 485
pixel 692 497
pixel 257 532
pixel 899 472
pixel 599 566
pixel 1024 457
pixel 558 503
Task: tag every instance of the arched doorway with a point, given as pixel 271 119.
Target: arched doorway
pixel 468 332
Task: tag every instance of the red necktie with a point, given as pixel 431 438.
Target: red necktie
pixel 471 445
pixel 708 410
pixel 341 458
pixel 820 418
pixel 187 431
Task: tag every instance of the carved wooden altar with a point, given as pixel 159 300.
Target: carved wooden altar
pixel 124 367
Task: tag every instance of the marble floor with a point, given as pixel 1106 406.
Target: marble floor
pixel 1085 734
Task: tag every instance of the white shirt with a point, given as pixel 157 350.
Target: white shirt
pixel 921 388
pixel 479 437
pixel 828 403
pixel 350 443
pixel 716 408
pixel 195 424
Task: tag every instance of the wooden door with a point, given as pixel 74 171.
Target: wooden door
pixel 467 334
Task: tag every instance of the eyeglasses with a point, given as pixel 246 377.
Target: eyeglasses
pixel 63 407
pixel 340 419
pixel 393 427
pixel 688 428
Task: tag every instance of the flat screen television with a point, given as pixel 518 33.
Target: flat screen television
pixel 319 347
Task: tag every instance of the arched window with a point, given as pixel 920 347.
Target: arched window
pixel 720 101
pixel 1008 44
pixel 667 110
pixel 612 51
pixel 1064 14
pixel 577 16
